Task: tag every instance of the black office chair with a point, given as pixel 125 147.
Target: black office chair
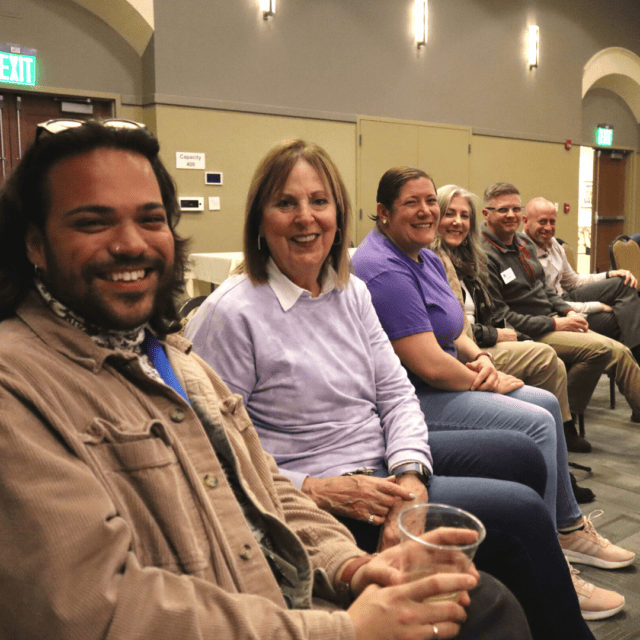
pixel 190 305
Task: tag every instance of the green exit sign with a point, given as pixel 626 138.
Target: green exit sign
pixel 17 65
pixel 604 136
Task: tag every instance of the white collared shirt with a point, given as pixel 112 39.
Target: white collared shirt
pixel 288 292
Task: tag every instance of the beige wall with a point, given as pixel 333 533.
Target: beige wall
pixel 129 112
pixel 234 143
pixel 536 168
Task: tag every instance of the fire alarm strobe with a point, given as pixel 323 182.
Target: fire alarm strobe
pixel 194 203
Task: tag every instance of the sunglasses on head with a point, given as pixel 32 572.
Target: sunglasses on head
pixel 57 125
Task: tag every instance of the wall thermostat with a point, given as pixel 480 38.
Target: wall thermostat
pixel 212 177
pixel 195 203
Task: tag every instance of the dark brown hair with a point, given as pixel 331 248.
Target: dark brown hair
pixel 391 184
pixel 24 203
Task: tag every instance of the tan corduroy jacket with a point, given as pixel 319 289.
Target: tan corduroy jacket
pixel 116 518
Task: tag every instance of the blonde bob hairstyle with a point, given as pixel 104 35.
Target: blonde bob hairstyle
pixel 267 186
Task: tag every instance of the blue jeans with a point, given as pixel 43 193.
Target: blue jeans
pixel 542 422
pixel 521 548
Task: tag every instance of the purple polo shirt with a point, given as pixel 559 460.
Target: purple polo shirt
pixel 409 297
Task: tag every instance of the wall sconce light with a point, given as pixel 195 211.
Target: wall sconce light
pixel 421 21
pixel 534 45
pixel 268 8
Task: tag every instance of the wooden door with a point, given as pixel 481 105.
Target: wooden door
pixel 608 212
pixel 21 114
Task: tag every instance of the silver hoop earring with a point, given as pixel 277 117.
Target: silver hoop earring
pixel 259 243
pixel 338 236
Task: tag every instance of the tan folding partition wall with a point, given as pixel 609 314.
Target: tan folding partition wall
pixel 234 143
pixel 440 150
pixel 536 168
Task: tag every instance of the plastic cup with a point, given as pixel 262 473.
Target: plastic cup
pixel 426 551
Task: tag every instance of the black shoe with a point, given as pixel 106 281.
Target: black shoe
pixel 575 443
pixel 634 418
pixel 582 494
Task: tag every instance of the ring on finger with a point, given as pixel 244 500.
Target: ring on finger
pixel 370 520
pixel 435 632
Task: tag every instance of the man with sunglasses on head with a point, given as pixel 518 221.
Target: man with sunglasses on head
pixel 136 500
pixel 525 300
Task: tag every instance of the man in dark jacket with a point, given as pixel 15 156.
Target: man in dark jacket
pixel 522 297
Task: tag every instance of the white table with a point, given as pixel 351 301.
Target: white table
pixel 213 269
pixel 209 269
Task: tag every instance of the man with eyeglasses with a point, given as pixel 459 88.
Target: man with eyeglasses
pixel 136 499
pixel 519 289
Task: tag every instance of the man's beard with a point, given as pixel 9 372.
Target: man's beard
pixel 94 307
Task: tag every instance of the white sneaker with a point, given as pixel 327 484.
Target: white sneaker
pixel 587 546
pixel 595 603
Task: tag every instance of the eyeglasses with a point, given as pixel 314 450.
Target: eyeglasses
pixel 62 124
pixel 504 210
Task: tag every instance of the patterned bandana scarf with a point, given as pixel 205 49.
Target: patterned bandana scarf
pixel 129 341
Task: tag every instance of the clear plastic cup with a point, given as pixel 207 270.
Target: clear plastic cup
pixel 438 538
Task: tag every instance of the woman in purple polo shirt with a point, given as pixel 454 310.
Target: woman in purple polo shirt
pixel 297 337
pixel 457 383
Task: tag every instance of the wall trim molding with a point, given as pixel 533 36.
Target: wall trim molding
pixel 160 99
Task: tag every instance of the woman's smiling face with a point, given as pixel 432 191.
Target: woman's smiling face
pixel 455 222
pixel 413 219
pixel 299 225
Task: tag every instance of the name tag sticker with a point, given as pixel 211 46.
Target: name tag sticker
pixel 508 276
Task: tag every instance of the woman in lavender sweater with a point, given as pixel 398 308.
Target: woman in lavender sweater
pixel 297 337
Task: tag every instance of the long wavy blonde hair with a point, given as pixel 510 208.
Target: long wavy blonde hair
pixel 468 258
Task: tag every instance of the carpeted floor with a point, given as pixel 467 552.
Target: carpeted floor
pixel 615 479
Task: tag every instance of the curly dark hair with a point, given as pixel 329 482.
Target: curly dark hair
pixel 24 203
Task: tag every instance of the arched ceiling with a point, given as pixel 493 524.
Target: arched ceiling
pixel 132 19
pixel 618 70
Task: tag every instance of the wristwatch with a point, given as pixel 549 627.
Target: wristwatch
pixel 412 467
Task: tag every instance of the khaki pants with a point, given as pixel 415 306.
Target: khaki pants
pixel 627 372
pixel 537 365
pixel 586 356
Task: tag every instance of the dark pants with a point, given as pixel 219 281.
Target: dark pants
pixel 623 322
pixel 500 476
pixel 494 614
